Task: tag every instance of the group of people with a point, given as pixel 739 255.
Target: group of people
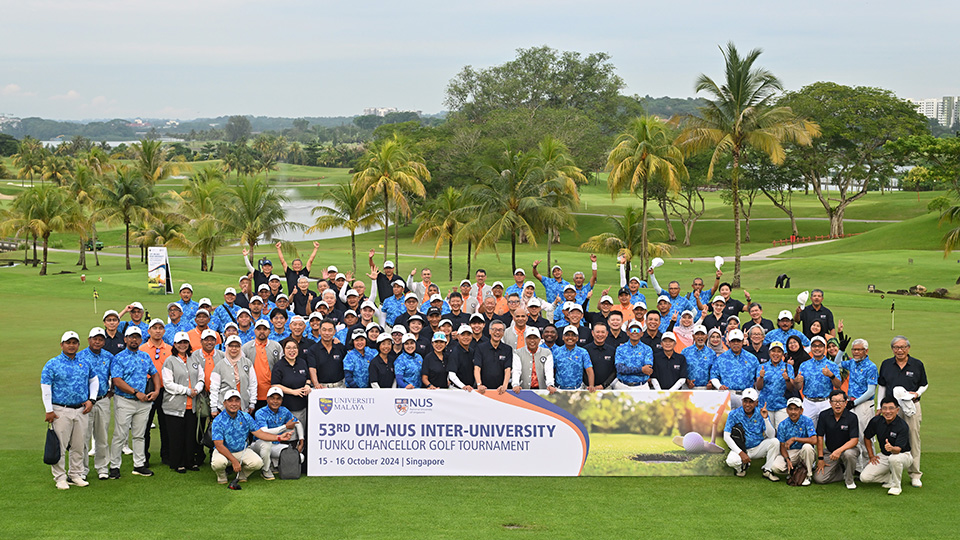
pixel 244 367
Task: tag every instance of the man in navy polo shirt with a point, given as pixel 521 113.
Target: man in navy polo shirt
pixel 907 374
pixel 837 437
pixel 68 386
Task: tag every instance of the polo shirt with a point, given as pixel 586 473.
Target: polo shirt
pixel 652 341
pixel 270 419
pixel 436 370
pixel 754 426
pixel 493 363
pixel 553 288
pixel 816 385
pixel 356 367
pixel 809 314
pixel 618 340
pixel 836 432
pixel 100 364
pixel 863 373
pixel 911 377
pixel 569 366
pixel 69 379
pixel 115 344
pixel 699 363
pixel 134 367
pixel 408 368
pixel 629 361
pixel 381 372
pixel 234 430
pixel 896 432
pixel 803 429
pixel 735 371
pixel 461 362
pixel 329 364
pixel 602 357
pixel 667 371
pixel 766 324
pixel 293 276
pixel 732 307
pixel 291 376
pixel 773 394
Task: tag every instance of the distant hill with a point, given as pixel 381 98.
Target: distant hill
pixel 666 106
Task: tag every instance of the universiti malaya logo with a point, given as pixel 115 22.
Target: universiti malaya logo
pixel 401 406
pixel 326 404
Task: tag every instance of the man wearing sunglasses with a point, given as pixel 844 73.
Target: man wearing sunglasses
pixel 633 360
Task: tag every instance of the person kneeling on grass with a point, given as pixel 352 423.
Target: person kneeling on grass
pixel 750 435
pixel 893 437
pixel 276 420
pixel 230 430
pixel 797 435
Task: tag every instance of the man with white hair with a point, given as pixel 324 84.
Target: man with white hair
pixel 905 378
pixel 862 389
pixel 532 364
pixel 582 287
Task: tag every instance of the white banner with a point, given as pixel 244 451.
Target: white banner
pixel 158 271
pixel 367 432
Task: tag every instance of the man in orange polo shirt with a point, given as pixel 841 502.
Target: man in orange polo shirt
pixel 159 351
pixel 202 320
pixel 624 307
pixel 264 353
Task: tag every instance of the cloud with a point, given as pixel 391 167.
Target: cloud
pixel 14 90
pixel 71 95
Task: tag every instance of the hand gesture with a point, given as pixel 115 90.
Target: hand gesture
pixel 536 263
pixel 279 244
pixel 673 318
pixel 373 272
pixel 887 446
pixel 840 326
pixel 316 245
pixel 762 372
pixel 650 270
pixel 604 292
pixel 621 259
pixel 593 258
pixel 827 373
pixel 290 424
pixel 785 376
pixel 746 294
pixel 245 252
pixel 763 411
pixel 413 271
pixel 349 276
pixel 371 253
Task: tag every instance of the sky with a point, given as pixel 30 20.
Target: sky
pixel 184 59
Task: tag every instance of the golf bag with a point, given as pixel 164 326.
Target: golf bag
pixel 288 464
pixel 783 282
pixel 739 436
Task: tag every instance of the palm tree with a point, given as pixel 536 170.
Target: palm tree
pixel 295 155
pixel 29 158
pixel 202 202
pixel 56 169
pixel 345 208
pixel 440 218
pixel 43 210
pixel 256 212
pixel 150 161
pixel 84 187
pixel 625 238
pixel 741 114
pixel 162 230
pixel 128 199
pixel 642 154
pixel 554 159
pixel 389 169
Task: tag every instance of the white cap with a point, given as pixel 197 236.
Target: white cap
pixel 529 284
pixel 206 301
pixel 570 329
pixel 569 287
pixel 368 304
pixel 735 334
pixel 687 312
pixel 445 321
pixel 274 391
pixel 229 290
pixel 244 311
pixel 136 305
pixel 399 282
pixel 554 267
pixel 70 334
pixel 352 292
pixel 478 316
pixel 296 318
pixel 699 329
pixel 243 277
pixel 465 328
pixel 131 330
pixel 281 295
pixel 233 339
pixel 634 322
pixel 263 287
pixel 156 322
pixel 398 329
pixel 339 276
pixel 439 336
pixel 668 335
pixel 261 322
pixel 634 278
pixel 566 306
pixel 576 307
pixel 464 282
pixel 181 336
pixel 818 338
pixel 176 305
pixel 358 332
pixel 383 337
pixel 201 311
pixel 110 312
pixel 349 312
pixel 274 277
pixel 332 268
pixel 785 314
pixel 534 302
pixel 186 286
pixel 231 394
pixel 519 271
pixel 664 298
pixel 497 284
pixel 231 324
pixel 315 315
pixel 733 317
pixel 776 344
pixel 531 331
pixel 408 337
pixel 388 264
pixel 641 304
pixel 256 299
pixel 410 295
pixel 96 331
pixel 209 333
pixel 795 401
pixel 435 297
pixel 373 325
pixel 606 298
pixel 750 393
pixel 718 298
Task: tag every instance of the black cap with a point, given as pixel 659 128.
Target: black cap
pixel 623 290
pixel 264 261
pixel 433 311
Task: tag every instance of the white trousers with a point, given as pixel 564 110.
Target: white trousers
pixel 913 422
pixel 888 470
pixel 812 409
pixel 767 449
pixel 129 418
pixel 97 428
pixel 864 411
pixel 71 429
pixel 249 462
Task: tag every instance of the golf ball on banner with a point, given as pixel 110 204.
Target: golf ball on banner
pixel 693 442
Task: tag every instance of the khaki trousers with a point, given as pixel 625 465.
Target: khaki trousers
pixel 71 429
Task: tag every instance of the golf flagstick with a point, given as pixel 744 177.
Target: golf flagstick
pixel 892 314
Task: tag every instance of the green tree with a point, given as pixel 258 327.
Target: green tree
pixel 346 208
pixel 237 130
pixel 389 169
pixel 740 114
pixel 150 161
pixel 940 156
pixel 644 153
pixel 555 162
pixel 856 123
pixel 29 159
pixel 256 212
pixel 44 209
pixel 441 219
pixel 624 238
pixel 56 169
pixel 202 202
pixel 84 187
pixel 128 199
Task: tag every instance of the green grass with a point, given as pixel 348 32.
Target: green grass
pixel 612 454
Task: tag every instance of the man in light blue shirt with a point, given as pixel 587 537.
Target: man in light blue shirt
pixel 758 437
pixel 817 378
pixel 797 435
pixel 633 359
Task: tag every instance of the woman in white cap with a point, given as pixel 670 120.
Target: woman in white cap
pixel 409 364
pixel 436 364
pixel 381 374
pixel 356 364
pixel 182 381
pixel 234 372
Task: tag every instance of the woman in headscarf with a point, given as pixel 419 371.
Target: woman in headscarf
pixel 795 355
pixel 715 341
pixel 684 329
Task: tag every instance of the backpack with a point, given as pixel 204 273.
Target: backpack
pixel 288 464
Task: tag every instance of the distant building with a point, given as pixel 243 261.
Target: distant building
pixel 8 122
pixel 383 111
pixel 945 110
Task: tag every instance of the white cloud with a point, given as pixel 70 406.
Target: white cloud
pixel 71 95
pixel 14 90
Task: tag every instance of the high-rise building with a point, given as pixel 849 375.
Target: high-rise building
pixel 945 110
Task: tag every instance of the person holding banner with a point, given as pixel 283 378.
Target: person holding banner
pixel 571 362
pixel 291 376
pixel 356 364
pixel 436 364
pixel 633 360
pixel 461 359
pixel 382 373
pixel 493 360
pixel 409 364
